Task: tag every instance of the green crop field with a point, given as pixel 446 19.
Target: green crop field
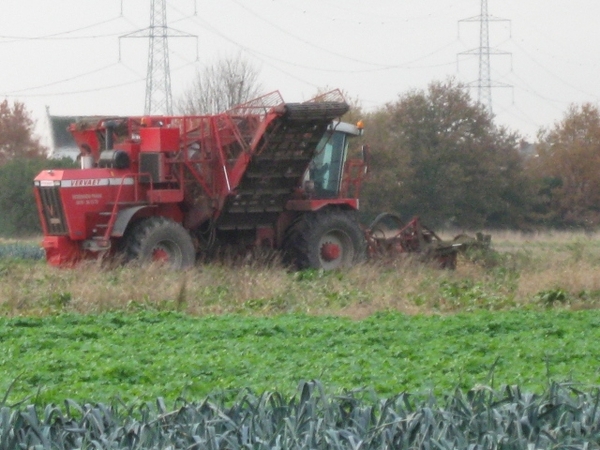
pixel 147 355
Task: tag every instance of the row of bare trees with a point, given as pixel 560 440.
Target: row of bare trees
pixel 436 153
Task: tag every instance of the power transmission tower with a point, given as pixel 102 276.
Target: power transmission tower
pixel 484 83
pixel 159 98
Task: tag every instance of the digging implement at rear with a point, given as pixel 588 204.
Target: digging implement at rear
pixel 388 236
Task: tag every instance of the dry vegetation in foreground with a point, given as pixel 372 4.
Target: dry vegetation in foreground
pixel 538 270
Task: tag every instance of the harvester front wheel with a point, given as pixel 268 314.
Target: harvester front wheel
pixel 162 240
pixel 329 239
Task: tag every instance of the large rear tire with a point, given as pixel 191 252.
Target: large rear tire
pixel 161 240
pixel 328 239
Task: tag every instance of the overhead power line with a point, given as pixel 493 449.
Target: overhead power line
pixel 64 80
pixel 139 79
pixel 304 41
pixel 61 35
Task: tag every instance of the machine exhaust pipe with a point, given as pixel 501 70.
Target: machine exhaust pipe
pixel 108 136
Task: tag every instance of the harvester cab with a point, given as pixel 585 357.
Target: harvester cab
pixel 325 175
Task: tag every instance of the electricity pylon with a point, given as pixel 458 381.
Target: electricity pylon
pixel 159 99
pixel 484 83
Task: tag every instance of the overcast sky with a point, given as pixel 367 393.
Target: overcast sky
pixel 65 54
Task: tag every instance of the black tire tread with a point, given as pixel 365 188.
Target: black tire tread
pixel 144 230
pixel 300 243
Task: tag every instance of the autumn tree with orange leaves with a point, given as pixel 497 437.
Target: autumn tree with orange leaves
pixel 568 168
pixel 17 138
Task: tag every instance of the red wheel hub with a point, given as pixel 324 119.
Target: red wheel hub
pixel 160 255
pixel 330 251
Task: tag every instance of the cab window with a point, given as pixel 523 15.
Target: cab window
pixel 326 167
